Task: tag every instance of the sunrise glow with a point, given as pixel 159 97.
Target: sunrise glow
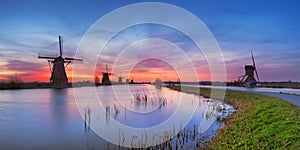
pixel 271 34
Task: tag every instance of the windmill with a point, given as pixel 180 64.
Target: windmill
pixel 127 81
pixel 248 79
pixel 105 77
pixel 120 78
pixel 58 72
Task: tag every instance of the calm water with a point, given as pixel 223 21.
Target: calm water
pixel 260 89
pixel 54 119
pixel 290 95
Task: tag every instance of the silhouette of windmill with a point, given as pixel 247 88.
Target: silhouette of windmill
pixel 120 79
pixel 58 72
pixel 248 79
pixel 105 77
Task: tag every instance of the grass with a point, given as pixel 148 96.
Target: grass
pixel 294 85
pixel 260 122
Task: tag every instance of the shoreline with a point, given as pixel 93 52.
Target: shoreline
pixel 47 85
pixel 41 85
pixel 260 121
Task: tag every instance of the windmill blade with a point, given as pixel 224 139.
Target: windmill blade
pixel 76 59
pixel 242 80
pixel 60 45
pixel 256 74
pixel 253 60
pixel 106 69
pixel 68 62
pixel 46 57
pixel 254 67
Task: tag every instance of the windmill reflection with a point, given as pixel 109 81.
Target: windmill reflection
pixel 59 104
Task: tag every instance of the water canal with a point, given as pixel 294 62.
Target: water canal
pixel 54 118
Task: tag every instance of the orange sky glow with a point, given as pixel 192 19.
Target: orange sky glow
pixel 145 71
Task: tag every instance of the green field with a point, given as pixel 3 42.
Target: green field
pixel 260 122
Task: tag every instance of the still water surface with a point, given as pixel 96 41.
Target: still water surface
pixel 50 118
pixel 287 94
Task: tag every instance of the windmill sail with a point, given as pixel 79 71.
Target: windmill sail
pixel 248 79
pixel 60 46
pixel 76 59
pixel 253 61
pixel 105 77
pixel 58 72
pixel 46 57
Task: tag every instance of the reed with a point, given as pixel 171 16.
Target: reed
pixel 260 122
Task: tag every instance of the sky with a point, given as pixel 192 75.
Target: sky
pixel 270 29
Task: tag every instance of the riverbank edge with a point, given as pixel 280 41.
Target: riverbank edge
pixel 260 121
pixel 45 85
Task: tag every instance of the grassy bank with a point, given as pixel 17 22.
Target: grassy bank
pixel 260 122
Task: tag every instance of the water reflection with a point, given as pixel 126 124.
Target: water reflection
pixel 139 107
pixel 42 119
pixel 49 118
pixel 59 106
pixel 145 108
